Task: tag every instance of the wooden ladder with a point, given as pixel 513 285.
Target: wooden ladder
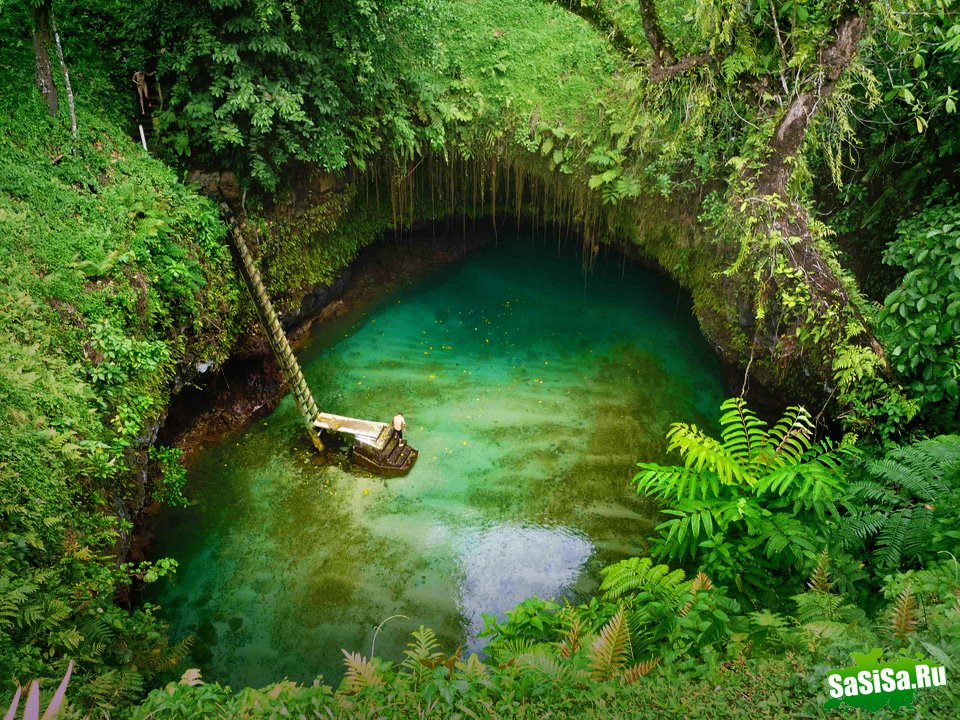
pixel 272 328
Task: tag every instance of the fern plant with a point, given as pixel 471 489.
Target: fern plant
pixel 899 511
pixel 611 649
pixel 421 654
pixel 903 615
pixel 753 502
pixel 361 673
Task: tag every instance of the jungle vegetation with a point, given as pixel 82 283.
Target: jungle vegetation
pixel 792 163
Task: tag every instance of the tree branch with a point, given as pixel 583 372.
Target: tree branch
pixel 659 74
pixel 663 55
pixel 595 15
pixel 792 128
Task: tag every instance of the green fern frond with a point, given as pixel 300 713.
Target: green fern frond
pixel 663 481
pixel 167 657
pixel 422 653
pixel 609 651
pixel 866 525
pixel 700 453
pixel 819 606
pixel 892 538
pixel 743 433
pixel 871 490
pixel 789 439
pixel 541 662
pixel 633 575
pixel 115 687
pixel 510 649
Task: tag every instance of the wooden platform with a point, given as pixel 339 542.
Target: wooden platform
pixel 375 447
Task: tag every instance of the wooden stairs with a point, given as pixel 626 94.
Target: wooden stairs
pixel 374 447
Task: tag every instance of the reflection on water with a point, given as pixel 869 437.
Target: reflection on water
pixel 530 392
pixel 506 564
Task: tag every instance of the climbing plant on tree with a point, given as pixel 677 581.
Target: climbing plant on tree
pixel 753 100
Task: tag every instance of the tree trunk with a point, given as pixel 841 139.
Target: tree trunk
pixel 792 128
pixel 66 79
pixel 665 62
pixel 813 275
pixel 42 40
pixel 662 49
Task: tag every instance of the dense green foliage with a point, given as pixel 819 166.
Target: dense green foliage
pixel 114 275
pixel 902 508
pixel 756 504
pixel 264 85
pixel 786 552
pixel 655 642
pixel 920 322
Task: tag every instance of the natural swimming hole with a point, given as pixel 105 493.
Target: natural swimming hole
pixel 530 389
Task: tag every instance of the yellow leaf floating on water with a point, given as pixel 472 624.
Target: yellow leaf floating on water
pixel 366 492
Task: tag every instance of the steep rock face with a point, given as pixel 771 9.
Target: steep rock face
pixel 246 386
pixel 313 301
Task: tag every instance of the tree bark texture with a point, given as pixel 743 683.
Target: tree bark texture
pixel 66 79
pixel 792 128
pixel 42 40
pixel 663 55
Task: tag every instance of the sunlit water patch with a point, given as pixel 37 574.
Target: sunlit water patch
pixel 530 391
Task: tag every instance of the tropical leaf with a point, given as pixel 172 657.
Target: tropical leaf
pixel 361 673
pixel 633 673
pixel 610 650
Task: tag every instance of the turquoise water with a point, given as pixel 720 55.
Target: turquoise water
pixel 530 391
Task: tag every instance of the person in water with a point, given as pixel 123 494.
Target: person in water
pixel 399 425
